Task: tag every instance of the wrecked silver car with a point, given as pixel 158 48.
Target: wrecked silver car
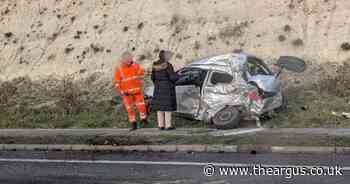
pixel 228 88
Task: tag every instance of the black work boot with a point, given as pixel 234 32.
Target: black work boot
pixel 133 126
pixel 170 128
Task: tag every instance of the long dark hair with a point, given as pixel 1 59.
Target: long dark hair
pixel 162 57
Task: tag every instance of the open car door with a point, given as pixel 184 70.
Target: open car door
pixel 188 90
pixel 291 63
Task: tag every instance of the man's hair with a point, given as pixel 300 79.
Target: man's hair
pixel 126 54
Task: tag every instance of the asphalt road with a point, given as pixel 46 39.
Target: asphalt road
pixel 161 168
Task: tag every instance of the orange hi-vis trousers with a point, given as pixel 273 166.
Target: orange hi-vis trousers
pixel 135 100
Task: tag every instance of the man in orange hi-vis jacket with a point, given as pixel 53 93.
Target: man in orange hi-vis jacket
pixel 127 78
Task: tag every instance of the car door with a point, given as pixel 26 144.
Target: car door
pixel 188 90
pixel 259 74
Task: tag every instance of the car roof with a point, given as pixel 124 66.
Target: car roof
pixel 220 62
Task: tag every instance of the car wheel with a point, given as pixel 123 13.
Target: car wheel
pixel 283 107
pixel 227 118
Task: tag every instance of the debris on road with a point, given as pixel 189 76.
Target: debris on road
pixel 343 114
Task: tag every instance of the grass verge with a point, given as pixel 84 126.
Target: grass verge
pixel 91 103
pixel 311 109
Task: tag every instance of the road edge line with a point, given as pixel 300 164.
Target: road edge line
pixel 213 148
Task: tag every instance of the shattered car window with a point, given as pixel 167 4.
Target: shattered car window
pixel 218 77
pixel 191 76
pixel 257 67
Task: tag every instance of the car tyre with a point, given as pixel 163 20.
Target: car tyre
pixel 227 118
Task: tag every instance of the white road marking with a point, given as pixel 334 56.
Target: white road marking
pixel 166 163
pixel 235 132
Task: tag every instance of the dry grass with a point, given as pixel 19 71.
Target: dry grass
pixel 310 109
pixel 88 103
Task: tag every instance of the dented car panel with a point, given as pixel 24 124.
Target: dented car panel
pixel 266 83
pixel 218 97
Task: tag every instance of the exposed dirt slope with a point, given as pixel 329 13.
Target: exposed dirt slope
pixel 59 37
